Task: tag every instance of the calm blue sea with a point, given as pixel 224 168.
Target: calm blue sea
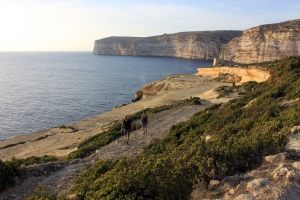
pixel 40 90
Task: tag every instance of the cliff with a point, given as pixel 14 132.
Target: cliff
pixel 262 43
pixel 238 74
pixel 194 45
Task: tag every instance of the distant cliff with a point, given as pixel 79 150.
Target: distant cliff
pixel 262 43
pixel 194 45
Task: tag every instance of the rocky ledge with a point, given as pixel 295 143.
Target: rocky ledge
pixel 224 74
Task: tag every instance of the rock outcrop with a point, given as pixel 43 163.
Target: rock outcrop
pixel 262 43
pixel 277 178
pixel 194 45
pixel 150 89
pixel 239 75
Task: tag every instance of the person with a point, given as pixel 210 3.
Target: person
pixel 127 127
pixel 144 122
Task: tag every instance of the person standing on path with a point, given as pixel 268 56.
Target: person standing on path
pixel 144 122
pixel 127 127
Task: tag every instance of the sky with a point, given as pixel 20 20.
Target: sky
pixel 74 25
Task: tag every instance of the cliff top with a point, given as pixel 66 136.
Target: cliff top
pixel 290 24
pixel 226 36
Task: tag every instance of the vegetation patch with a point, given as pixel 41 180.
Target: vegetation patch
pixel 33 160
pixel 99 140
pixel 223 91
pixel 8 171
pixel 11 169
pixel 41 194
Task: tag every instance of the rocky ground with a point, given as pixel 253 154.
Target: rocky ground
pixel 278 178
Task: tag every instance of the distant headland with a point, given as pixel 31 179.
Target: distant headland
pixel 267 42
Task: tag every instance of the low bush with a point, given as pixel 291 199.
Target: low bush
pixel 41 194
pixel 32 160
pixel 8 171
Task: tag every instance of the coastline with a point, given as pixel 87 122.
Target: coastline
pixel 60 141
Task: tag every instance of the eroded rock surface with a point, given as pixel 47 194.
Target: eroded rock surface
pixel 243 74
pixel 267 42
pixel 194 45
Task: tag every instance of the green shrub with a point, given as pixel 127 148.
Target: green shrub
pixel 8 171
pixel 249 86
pixel 33 159
pixel 42 194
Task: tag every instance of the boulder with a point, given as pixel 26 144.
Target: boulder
pixel 279 173
pixel 293 144
pixel 213 184
pixel 281 157
pixel 296 165
pixel 295 129
pixel 137 96
pixel 150 89
pixel 293 175
pixel 257 184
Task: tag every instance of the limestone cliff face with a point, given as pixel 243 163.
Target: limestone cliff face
pixel 264 43
pixel 194 45
pixel 241 74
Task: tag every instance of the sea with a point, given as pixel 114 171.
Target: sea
pixel 40 90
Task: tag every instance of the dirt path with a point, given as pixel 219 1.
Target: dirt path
pixel 58 177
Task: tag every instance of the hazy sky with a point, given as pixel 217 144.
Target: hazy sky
pixel 74 25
